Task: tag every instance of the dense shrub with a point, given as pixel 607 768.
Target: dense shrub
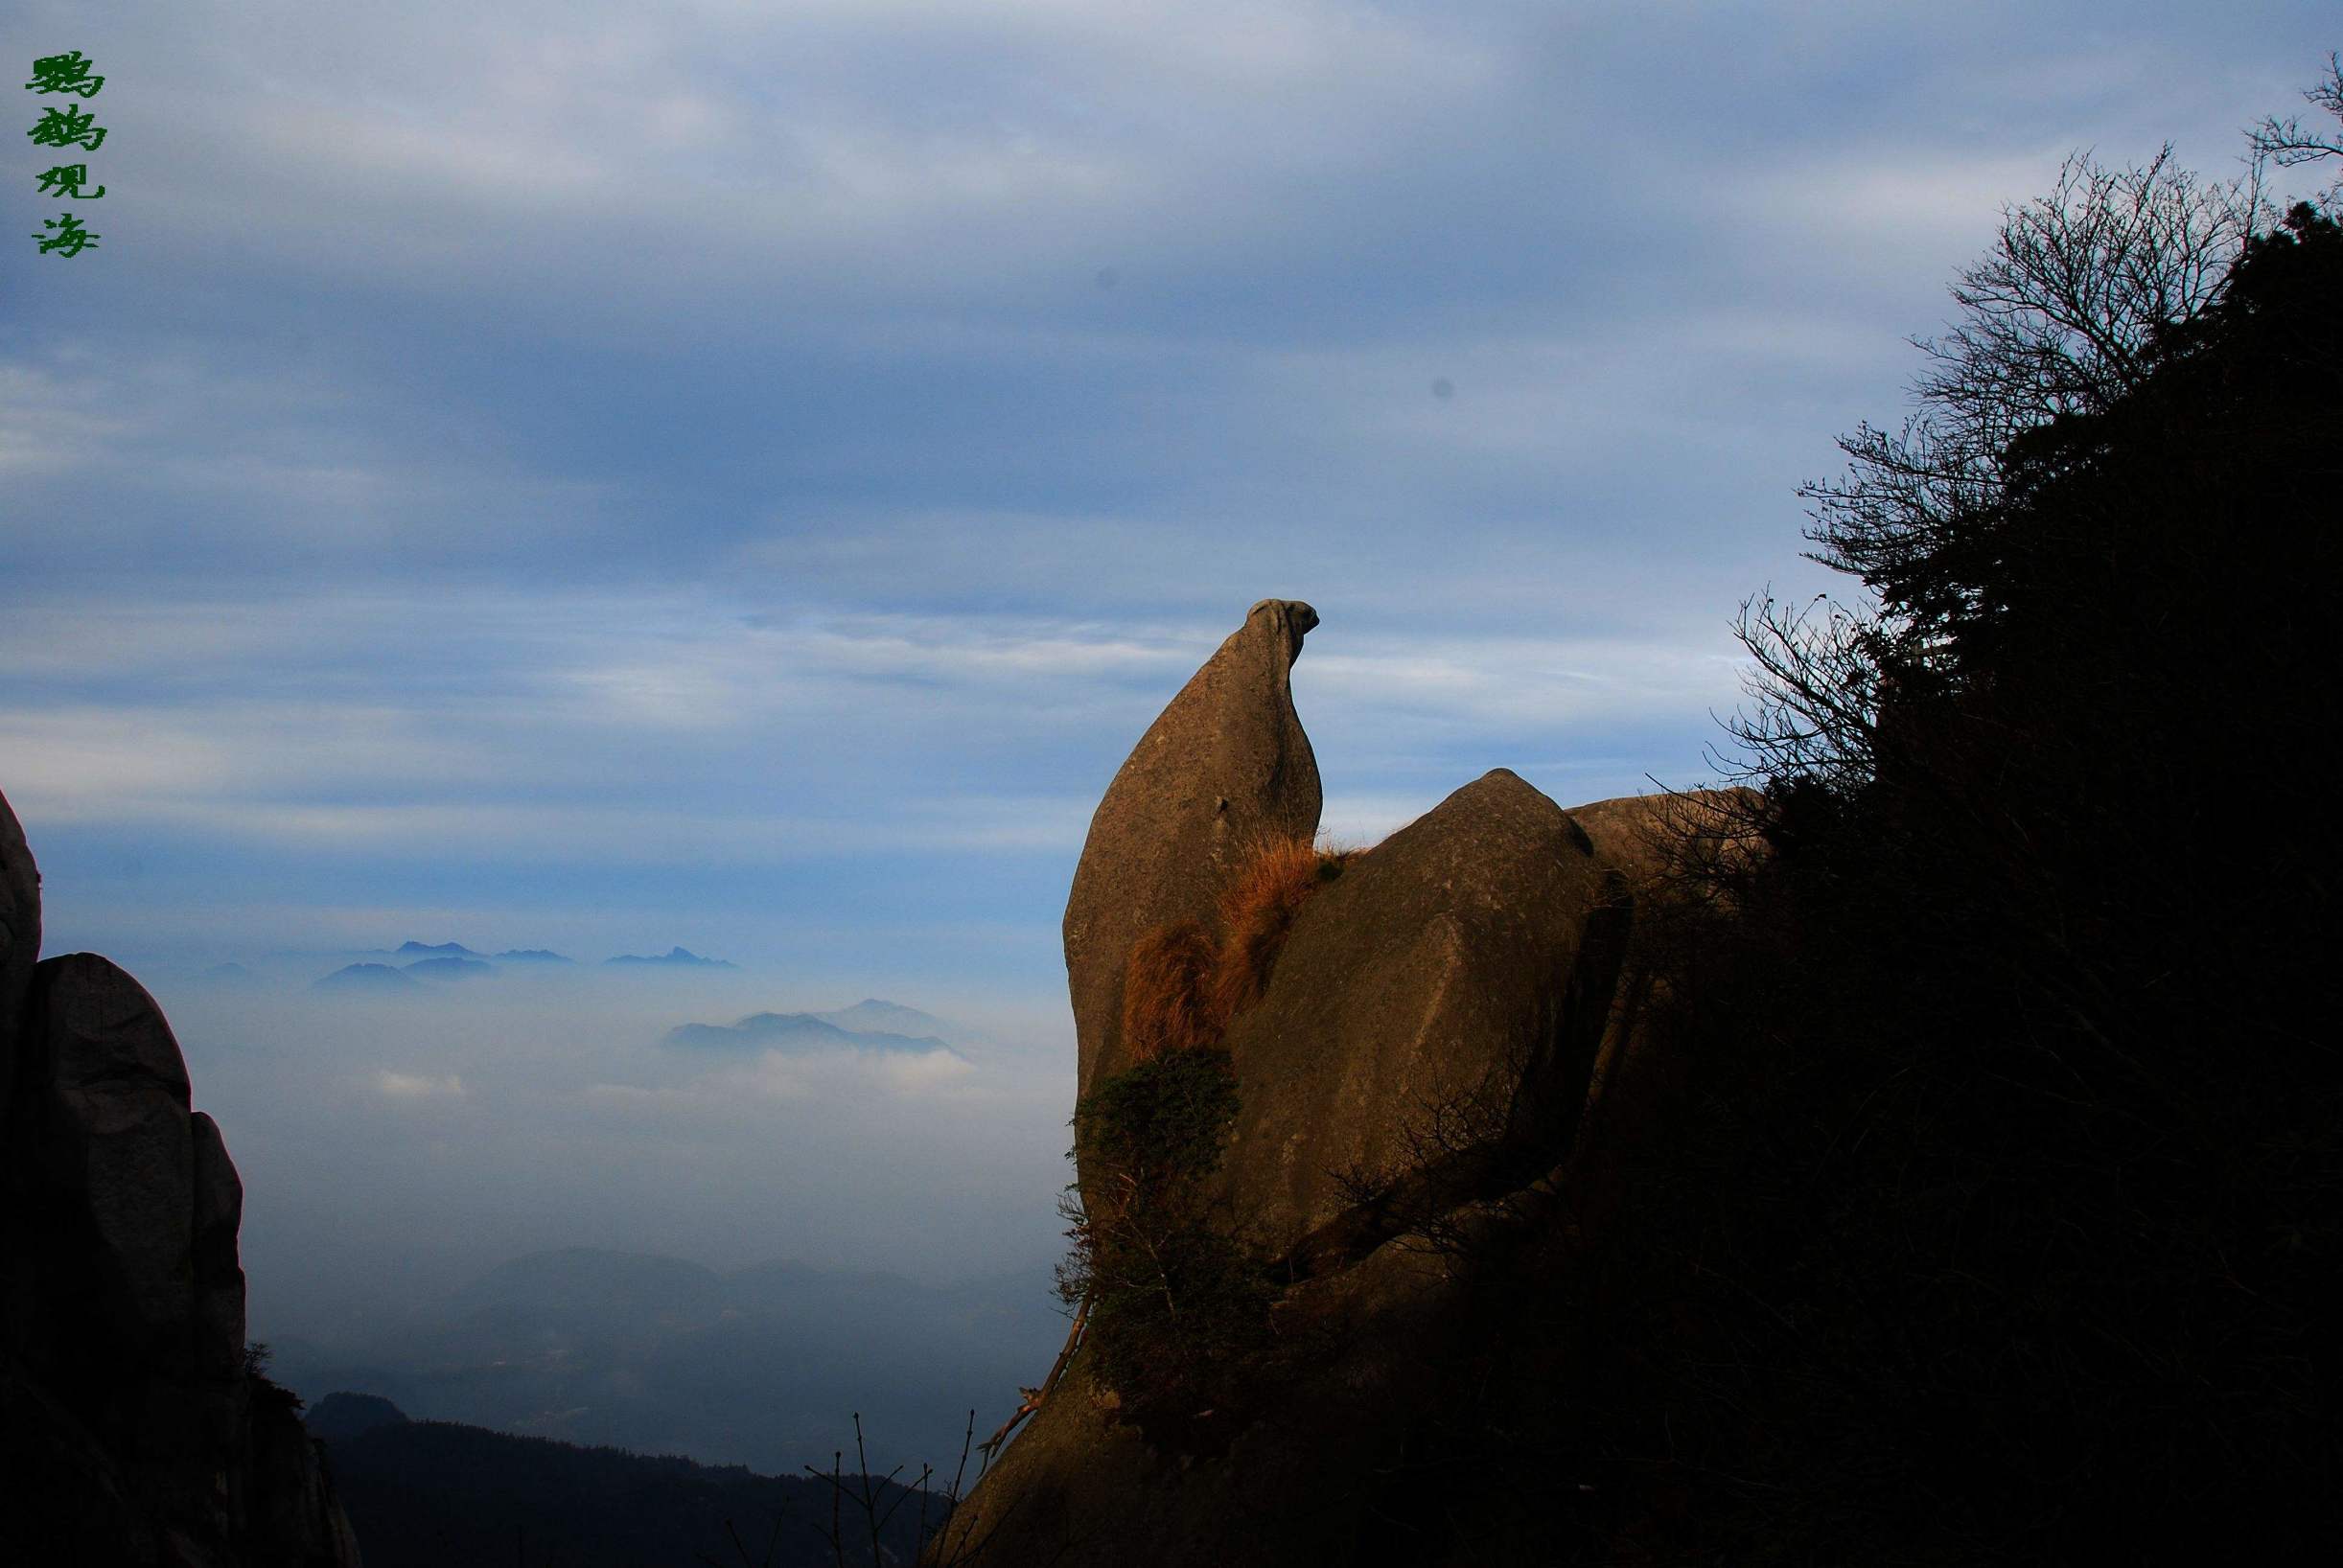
pixel 1175 1305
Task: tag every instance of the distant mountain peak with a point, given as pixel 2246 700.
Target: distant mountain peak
pixel 680 955
pixel 799 1032
pixel 436 950
pixel 341 1416
pixel 875 1015
pixel 449 966
pixel 367 977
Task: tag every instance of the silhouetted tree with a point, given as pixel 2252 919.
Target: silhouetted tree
pixel 2060 319
pixel 1998 1215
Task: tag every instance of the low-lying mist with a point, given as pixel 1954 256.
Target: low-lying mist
pixel 395 1149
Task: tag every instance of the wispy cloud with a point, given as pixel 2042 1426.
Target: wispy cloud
pixel 829 1077
pixel 652 730
pixel 52 421
pixel 416 1086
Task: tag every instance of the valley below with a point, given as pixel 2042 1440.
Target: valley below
pixel 763 1367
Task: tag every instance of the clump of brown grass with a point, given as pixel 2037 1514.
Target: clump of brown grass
pixel 1168 991
pixel 1258 911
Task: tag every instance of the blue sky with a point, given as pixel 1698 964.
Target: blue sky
pixel 742 476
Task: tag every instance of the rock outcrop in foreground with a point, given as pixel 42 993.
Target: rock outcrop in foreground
pixel 1419 1077
pixel 131 1432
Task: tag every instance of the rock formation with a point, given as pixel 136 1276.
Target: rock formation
pixel 1223 767
pixel 131 1428
pixel 19 939
pixel 1449 988
pixel 1416 1074
pixel 1650 839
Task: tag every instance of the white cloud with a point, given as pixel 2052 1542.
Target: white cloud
pixel 49 422
pixel 1524 685
pixel 227 763
pixel 730 1091
pixel 840 145
pixel 667 729
pixel 73 764
pixel 1891 208
pixel 618 835
pixel 413 1086
pixel 925 1072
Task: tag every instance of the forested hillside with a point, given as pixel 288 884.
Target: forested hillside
pixel 436 1495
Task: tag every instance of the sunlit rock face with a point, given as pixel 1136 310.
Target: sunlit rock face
pixel 1449 989
pixel 126 1408
pixel 1417 1060
pixel 1223 767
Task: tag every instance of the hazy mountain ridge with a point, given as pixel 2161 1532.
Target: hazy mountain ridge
pixel 378 979
pixel 795 1032
pixel 407 953
pixel 442 1495
pixel 681 956
pixel 451 968
pixel 874 1015
pixel 764 1365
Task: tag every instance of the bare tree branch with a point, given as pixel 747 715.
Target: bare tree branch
pixel 2289 143
pixel 2060 320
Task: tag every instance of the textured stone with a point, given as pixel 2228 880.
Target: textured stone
pixel 121 1145
pixel 292 1512
pixel 19 941
pixel 219 1277
pixel 1420 1058
pixel 1223 767
pixel 66 1501
pixel 1625 831
pixel 1644 834
pixel 1309 1480
pixel 1662 845
pixel 1443 998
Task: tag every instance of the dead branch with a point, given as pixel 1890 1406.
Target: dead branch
pixel 1031 1399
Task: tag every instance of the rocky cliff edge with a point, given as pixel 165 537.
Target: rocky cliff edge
pixel 133 1434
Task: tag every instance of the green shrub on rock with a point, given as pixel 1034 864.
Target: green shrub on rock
pixel 1176 1309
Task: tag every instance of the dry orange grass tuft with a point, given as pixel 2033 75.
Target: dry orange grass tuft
pixel 1258 911
pixel 1167 991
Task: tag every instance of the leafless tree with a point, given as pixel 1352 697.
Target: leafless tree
pixel 2288 143
pixel 2060 318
